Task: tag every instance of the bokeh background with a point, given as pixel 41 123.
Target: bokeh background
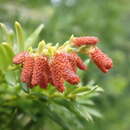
pixel 107 19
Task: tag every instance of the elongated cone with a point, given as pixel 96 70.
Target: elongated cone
pixel 72 60
pixel 67 70
pixel 19 58
pixel 27 70
pixel 57 78
pixel 85 40
pixel 48 72
pixel 76 61
pixel 61 70
pixel 103 62
pixel 56 74
pixel 40 76
pixel 71 77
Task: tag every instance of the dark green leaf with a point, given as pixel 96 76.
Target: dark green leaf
pixel 73 108
pixel 56 118
pixel 24 87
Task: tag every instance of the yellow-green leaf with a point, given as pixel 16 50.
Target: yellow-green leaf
pixel 20 36
pixel 33 37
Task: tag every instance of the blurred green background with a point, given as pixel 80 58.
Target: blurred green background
pixel 107 19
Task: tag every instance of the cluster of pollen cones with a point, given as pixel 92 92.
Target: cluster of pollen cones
pixel 61 66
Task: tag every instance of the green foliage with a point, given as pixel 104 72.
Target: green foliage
pixel 24 106
pixel 40 104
